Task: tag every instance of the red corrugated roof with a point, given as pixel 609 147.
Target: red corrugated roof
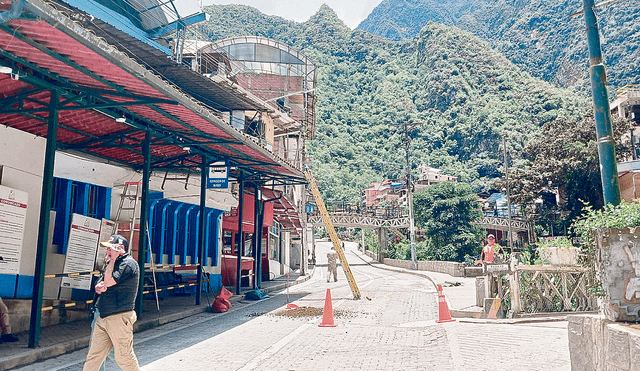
pixel 89 74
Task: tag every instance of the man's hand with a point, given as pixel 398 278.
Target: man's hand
pixel 100 287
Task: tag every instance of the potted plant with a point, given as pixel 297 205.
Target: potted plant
pixel 612 243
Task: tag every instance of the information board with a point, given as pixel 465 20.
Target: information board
pixel 13 214
pixel 81 251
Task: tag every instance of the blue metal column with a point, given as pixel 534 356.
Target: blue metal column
pixel 240 234
pixel 203 209
pixel 43 226
pixel 144 211
pixel 604 132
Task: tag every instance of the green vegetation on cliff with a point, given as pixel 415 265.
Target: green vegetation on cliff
pixel 465 94
pixel 537 35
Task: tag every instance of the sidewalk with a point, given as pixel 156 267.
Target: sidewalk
pixel 63 338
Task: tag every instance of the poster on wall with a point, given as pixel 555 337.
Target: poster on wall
pixel 81 251
pixel 107 228
pixel 13 214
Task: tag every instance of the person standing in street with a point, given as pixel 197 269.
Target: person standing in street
pixel 332 260
pixel 490 250
pixel 116 302
pixel 7 336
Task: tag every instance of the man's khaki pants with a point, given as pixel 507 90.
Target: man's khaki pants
pixel 333 270
pixel 114 331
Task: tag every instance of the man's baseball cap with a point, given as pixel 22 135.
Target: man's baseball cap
pixel 491 236
pixel 116 240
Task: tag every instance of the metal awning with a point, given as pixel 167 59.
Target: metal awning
pixel 109 101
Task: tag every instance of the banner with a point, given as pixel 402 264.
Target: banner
pixel 81 251
pixel 218 175
pixel 13 214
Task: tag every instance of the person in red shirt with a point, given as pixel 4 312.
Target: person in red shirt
pixel 490 249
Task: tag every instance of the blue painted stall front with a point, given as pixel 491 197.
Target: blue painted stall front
pixel 174 228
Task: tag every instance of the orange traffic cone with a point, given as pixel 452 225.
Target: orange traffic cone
pixel 327 313
pixel 443 309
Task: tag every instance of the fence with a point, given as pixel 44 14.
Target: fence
pixel 541 288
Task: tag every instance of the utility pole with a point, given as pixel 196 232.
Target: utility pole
pixel 506 172
pixel 412 228
pixel 602 111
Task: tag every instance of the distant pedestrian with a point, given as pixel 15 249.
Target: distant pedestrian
pixel 332 259
pixel 490 250
pixel 7 336
pixel 116 301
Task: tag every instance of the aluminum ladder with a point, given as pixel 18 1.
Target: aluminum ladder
pixel 131 195
pixel 334 236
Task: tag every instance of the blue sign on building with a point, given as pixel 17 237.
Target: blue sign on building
pixel 310 208
pixel 218 175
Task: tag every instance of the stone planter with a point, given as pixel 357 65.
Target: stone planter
pixel 618 266
pixel 560 256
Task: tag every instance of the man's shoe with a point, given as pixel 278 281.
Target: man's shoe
pixel 9 338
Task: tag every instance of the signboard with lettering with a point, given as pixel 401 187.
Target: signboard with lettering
pixel 310 208
pixel 496 268
pixel 81 251
pixel 218 175
pixel 13 214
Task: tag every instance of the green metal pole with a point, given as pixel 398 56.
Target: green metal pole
pixel 144 211
pixel 204 168
pixel 43 227
pixel 240 234
pixel 604 131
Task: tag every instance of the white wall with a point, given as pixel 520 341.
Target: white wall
pixel 22 158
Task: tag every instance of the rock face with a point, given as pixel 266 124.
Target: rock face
pixel 596 343
pixel 537 35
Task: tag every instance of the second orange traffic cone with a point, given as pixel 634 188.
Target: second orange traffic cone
pixel 444 315
pixel 327 313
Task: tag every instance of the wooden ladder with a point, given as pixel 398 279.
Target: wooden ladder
pixel 334 236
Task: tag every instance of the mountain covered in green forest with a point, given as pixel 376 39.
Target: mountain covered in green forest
pixel 466 96
pixel 537 35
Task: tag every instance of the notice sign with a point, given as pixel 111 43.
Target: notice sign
pixel 218 175
pixel 13 214
pixel 81 251
pixel 107 228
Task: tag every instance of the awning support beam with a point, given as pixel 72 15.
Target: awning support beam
pixel 43 225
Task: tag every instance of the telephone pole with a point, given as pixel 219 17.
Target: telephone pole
pixel 412 228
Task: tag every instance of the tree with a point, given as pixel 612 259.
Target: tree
pixel 446 211
pixel 565 156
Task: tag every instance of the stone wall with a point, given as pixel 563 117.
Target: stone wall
pixel 451 268
pixel 598 344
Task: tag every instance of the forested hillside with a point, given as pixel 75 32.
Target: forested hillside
pixel 537 35
pixel 466 95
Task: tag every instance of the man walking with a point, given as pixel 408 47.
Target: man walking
pixel 332 260
pixel 117 292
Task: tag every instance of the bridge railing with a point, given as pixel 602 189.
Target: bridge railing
pixel 387 212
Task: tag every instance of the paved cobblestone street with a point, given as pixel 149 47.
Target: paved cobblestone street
pixel 392 328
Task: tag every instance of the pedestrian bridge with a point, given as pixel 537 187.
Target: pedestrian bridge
pixel 353 220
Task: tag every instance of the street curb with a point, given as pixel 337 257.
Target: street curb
pixel 43 353
pixel 398 270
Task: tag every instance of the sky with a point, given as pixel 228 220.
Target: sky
pixel 352 12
